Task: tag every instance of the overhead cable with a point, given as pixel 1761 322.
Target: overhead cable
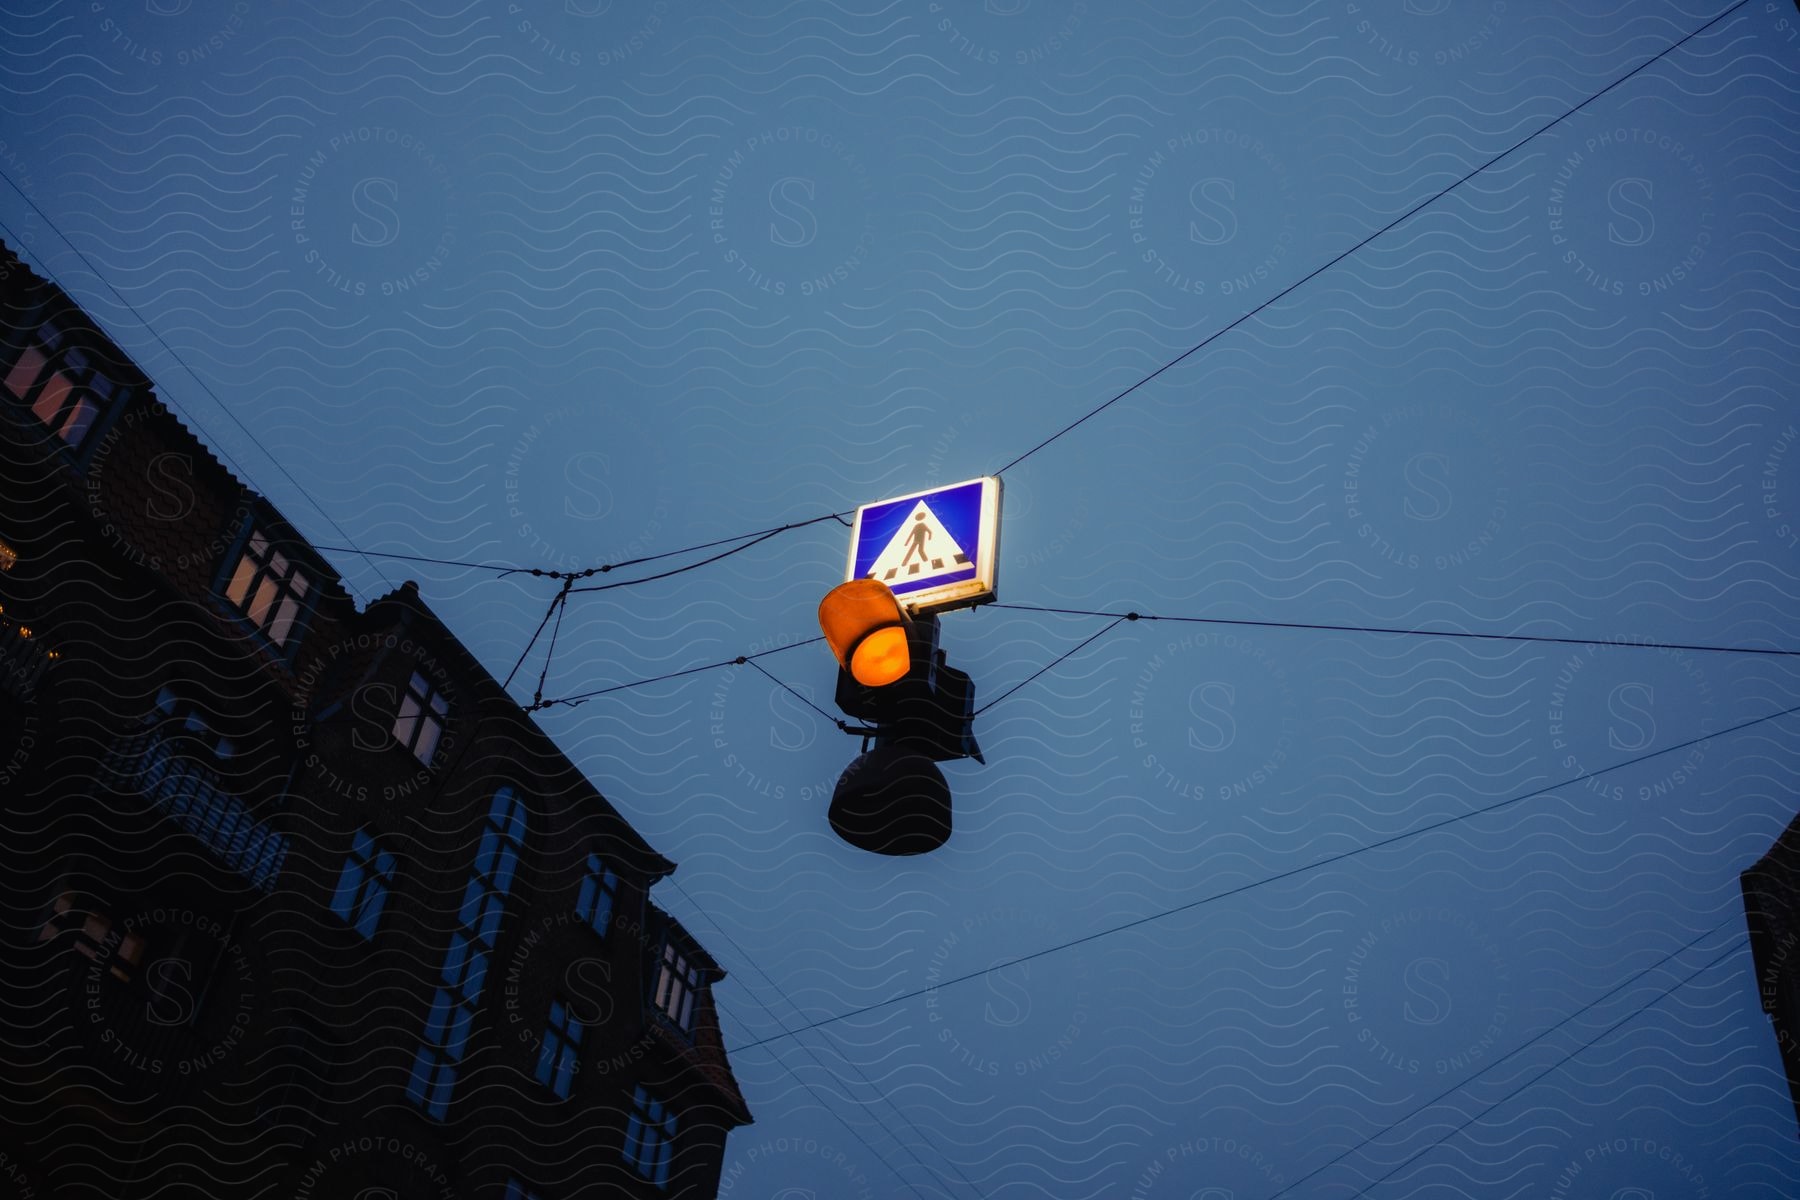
pixel 1290 873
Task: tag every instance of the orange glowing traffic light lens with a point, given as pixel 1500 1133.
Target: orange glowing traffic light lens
pixel 866 630
pixel 882 658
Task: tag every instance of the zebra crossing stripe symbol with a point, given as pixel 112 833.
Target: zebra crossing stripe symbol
pixel 920 549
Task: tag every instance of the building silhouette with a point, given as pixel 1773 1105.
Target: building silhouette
pixel 1771 890
pixel 298 903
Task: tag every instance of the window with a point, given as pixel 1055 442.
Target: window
pixel 193 729
pixel 420 721
pixel 26 372
pixel 516 1190
pixel 434 1068
pixel 64 391
pixel 465 963
pixel 94 936
pixel 363 887
pixel 675 986
pixel 556 1063
pixel 599 892
pixel 269 588
pixel 650 1137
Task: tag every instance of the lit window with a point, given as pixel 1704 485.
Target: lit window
pixel 362 889
pixel 420 721
pixel 94 936
pixel 269 588
pixel 675 987
pixel 599 891
pixel 650 1137
pixel 466 961
pixel 64 392
pixel 556 1063
pixel 24 374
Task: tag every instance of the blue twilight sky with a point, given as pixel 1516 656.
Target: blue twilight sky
pixel 565 282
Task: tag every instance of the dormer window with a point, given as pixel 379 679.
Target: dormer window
pixel 269 588
pixel 63 389
pixel 676 983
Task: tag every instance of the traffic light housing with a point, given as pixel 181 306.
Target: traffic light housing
pixel 918 710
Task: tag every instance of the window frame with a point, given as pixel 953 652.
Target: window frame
pixel 598 898
pixel 191 726
pixel 73 366
pixel 650 1157
pixel 242 551
pixel 425 722
pixel 463 977
pixel 364 884
pixel 559 1057
pixel 678 983
pixel 94 934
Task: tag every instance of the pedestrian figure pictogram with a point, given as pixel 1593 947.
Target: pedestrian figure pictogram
pixel 915 541
pixel 907 556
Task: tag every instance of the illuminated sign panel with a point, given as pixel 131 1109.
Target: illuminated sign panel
pixel 937 550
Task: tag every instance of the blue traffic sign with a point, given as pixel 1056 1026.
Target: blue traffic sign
pixel 937 550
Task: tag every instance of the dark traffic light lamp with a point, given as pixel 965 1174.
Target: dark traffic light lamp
pixel 893 799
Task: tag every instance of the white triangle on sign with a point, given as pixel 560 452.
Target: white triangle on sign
pixel 921 549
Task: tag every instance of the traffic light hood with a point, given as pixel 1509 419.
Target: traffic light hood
pixel 867 631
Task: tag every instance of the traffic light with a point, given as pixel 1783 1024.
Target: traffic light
pixel 893 799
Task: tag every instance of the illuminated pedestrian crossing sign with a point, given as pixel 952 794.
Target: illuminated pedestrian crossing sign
pixel 937 550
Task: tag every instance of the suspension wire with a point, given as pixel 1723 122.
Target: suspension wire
pixel 1117 618
pixel 1280 876
pixel 839 517
pixel 371 555
pixel 1340 257
pixel 838 721
pixel 528 645
pixel 1559 1063
pixel 1121 618
pixel 607 587
pixel 1532 1041
pixel 1640 643
pixel 907 1121
pixel 443 562
pixel 588 572
pixel 560 604
pixel 1058 660
pixel 580 698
